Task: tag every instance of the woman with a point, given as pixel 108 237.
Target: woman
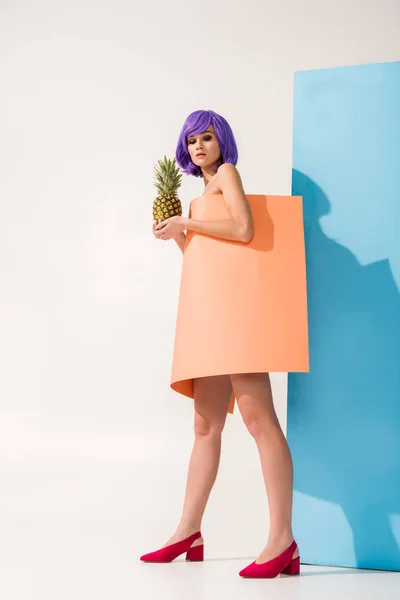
pixel 207 148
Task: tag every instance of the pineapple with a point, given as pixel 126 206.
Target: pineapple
pixel 168 181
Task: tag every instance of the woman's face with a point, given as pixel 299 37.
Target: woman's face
pixel 204 148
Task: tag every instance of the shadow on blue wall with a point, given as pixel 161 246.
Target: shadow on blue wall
pixel 344 416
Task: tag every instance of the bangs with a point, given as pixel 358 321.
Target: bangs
pixel 197 124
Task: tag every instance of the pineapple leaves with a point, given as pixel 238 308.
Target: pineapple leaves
pixel 167 176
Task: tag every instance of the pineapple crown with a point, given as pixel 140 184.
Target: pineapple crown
pixel 167 176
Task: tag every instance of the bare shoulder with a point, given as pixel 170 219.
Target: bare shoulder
pixel 228 171
pixel 229 178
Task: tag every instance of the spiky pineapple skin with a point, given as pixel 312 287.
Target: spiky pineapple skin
pixel 166 206
pixel 168 180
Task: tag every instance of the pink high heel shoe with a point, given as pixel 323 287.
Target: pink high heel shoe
pixel 284 563
pixel 169 553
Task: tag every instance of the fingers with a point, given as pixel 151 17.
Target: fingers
pixel 161 224
pixel 159 233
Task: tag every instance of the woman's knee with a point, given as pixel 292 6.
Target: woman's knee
pixel 254 397
pixel 208 426
pixel 253 421
pixel 211 401
pixel 257 420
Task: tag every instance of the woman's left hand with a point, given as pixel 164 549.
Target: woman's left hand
pixel 170 228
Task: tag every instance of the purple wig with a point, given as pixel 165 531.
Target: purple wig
pixel 196 123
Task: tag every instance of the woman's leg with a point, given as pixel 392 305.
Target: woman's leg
pixel 211 402
pixel 254 397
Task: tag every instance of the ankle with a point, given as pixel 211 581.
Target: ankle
pixel 283 534
pixel 185 530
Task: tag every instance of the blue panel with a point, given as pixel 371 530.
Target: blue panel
pixel 344 416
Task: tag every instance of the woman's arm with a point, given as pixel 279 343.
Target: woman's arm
pixel 181 240
pixel 181 237
pixel 239 227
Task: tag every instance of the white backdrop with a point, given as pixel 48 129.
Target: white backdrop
pixel 94 446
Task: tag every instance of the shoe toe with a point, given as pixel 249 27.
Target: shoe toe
pixel 145 557
pixel 245 572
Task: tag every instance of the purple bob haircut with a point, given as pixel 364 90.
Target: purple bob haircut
pixel 196 123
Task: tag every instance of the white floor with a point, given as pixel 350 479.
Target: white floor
pixel 219 579
pixel 61 559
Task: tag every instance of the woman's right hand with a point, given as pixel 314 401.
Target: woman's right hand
pixel 180 238
pixel 154 231
pixel 158 234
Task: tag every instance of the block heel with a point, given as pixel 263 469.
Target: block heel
pixel 293 568
pixel 195 554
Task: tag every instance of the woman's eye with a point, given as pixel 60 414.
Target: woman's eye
pixel 207 138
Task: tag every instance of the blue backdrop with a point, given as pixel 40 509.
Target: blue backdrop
pixel 344 416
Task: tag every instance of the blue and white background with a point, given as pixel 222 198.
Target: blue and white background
pixel 94 446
